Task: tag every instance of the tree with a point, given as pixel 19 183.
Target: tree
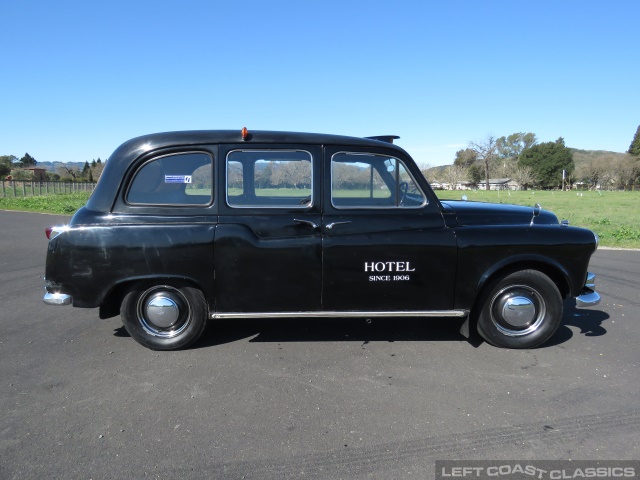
pixel 22 174
pixel 27 161
pixel 427 172
pixel 547 161
pixel 6 164
pixel 628 169
pixel 503 167
pixel 73 172
pixel 486 152
pixel 465 158
pixel 8 159
pixel 97 171
pixel 4 170
pixel 513 145
pixel 634 148
pixel 590 172
pixel 86 170
pixel 523 175
pixel 475 173
pixel 453 174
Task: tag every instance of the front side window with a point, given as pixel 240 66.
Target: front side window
pixel 181 179
pixel 269 178
pixel 363 180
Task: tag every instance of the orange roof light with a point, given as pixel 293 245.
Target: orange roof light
pixel 245 134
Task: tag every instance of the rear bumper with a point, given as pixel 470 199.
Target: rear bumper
pixel 588 297
pixel 57 299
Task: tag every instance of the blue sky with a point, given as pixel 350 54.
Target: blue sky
pixel 78 78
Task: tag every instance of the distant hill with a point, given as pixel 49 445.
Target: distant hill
pixel 579 157
pixel 584 156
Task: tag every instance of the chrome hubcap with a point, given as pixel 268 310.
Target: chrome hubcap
pixel 163 312
pixel 518 310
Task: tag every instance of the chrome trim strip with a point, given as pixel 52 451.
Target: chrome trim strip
pixel 588 300
pixel 321 314
pixel 57 299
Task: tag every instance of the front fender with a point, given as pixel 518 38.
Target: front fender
pixel 485 252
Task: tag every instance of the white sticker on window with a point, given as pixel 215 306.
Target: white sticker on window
pixel 177 179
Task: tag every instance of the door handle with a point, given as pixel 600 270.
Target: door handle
pixel 333 224
pixel 309 223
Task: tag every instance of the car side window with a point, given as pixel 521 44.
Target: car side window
pixel 180 179
pixel 364 180
pixel 269 179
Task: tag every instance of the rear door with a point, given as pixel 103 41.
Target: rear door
pixel 268 241
pixel 385 244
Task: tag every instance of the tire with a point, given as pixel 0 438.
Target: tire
pixel 163 317
pixel 520 310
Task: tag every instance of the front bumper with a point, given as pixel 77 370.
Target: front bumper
pixel 588 297
pixel 57 299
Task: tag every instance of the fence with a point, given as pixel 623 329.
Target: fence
pixel 615 188
pixel 31 188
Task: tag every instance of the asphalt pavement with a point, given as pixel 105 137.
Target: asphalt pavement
pixel 301 398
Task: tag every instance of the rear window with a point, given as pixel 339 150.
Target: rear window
pixel 180 179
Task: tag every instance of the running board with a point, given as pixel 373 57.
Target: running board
pixel 405 314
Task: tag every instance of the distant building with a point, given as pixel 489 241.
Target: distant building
pixel 494 184
pixel 39 174
pixel 501 184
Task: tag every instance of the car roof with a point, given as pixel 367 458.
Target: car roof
pixel 120 160
pixel 154 141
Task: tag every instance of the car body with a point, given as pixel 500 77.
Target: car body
pixel 184 227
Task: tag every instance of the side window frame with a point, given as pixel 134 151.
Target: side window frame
pixel 157 158
pixel 266 206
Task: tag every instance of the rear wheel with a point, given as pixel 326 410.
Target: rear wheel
pixel 520 310
pixel 164 317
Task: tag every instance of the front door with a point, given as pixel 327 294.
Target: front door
pixel 385 245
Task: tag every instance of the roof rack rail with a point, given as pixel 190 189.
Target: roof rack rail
pixel 384 138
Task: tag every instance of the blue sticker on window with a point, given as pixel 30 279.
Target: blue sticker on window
pixel 177 179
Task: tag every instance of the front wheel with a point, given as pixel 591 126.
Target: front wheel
pixel 520 310
pixel 163 317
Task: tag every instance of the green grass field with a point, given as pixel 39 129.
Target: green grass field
pixel 61 203
pixel 614 216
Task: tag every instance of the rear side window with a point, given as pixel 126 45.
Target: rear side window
pixel 180 179
pixel 269 179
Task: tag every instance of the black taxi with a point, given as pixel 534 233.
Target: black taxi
pixel 186 227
